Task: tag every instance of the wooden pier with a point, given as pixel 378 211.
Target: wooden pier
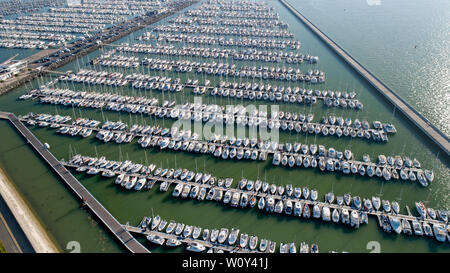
pixel 267 152
pixel 105 102
pixel 187 240
pixel 276 197
pixel 82 193
pixel 439 138
pixel 227 52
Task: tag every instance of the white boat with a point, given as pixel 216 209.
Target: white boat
pixel 305 193
pixel 354 219
pixel 253 242
pixel 186 190
pixel 376 202
pixel 297 209
pixel 140 183
pixel 257 186
pixel 291 161
pixel 272 246
pixel 233 236
pixel 249 185
pixel 440 232
pixel 179 228
pixel 395 207
pixel 196 247
pixel 345 216
pixel 243 240
pixel 155 239
pixel 326 214
pixel 335 216
pixel 202 193
pixel 429 175
pixel 432 213
pixel 270 204
pixel 214 235
pixel 276 159
pixel 279 207
pixel 261 203
pixel 187 231
pixel 173 242
pixel 304 248
pixel 313 195
pixel 243 183
pixel 171 227
pixel 427 230
pixel 316 211
pixel 297 192
pixel 284 248
pixel 280 190
pixel 120 178
pixel 396 224
pixel 156 221
pixel 292 248
pixel 288 207
pixel 223 234
pixel 263 245
pixel 194 191
pixel 314 248
pixel 244 200
pixel 205 235
pixel 162 224
pixel 421 209
pixel 406 227
pixel 417 227
pixel 235 199
pixel 227 197
pixel 196 232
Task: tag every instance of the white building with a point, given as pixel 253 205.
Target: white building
pixel 11 68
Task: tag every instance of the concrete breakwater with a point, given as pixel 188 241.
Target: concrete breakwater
pixel 439 138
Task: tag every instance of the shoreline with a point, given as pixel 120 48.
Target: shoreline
pixel 31 226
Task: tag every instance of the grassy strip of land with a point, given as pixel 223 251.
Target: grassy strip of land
pixel 2 248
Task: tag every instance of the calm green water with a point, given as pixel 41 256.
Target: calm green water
pixel 132 206
pixel 405 43
pixel 59 212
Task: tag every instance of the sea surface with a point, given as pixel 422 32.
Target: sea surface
pixel 405 43
pixel 381 37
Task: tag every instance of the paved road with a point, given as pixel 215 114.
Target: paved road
pixel 7 238
pixel 88 199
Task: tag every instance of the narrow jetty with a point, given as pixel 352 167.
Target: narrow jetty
pixel 88 199
pixel 135 176
pixel 219 147
pixel 415 117
pixel 186 240
pixel 151 176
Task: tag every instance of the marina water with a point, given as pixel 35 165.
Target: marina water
pixel 362 31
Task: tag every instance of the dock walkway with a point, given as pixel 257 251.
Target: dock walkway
pixel 269 151
pixel 276 197
pixel 215 245
pixel 88 199
pixel 415 117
